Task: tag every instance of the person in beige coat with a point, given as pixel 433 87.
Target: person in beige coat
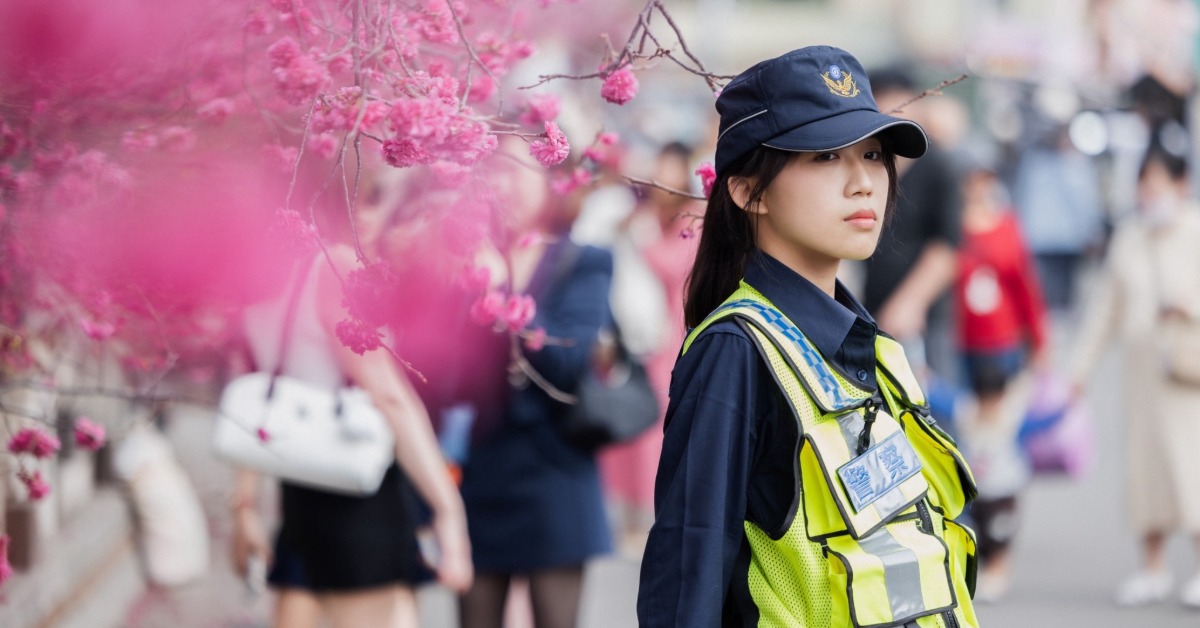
pixel 1150 291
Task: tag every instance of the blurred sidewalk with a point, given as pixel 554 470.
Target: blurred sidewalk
pixel 1072 551
pixel 221 600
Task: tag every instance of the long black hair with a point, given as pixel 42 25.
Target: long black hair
pixel 727 238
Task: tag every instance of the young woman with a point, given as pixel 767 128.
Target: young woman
pixel 1148 297
pixel 349 560
pixel 801 481
pixel 534 502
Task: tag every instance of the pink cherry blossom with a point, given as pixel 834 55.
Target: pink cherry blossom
pixel 519 311
pixel 139 140
pixel 178 139
pixel 436 23
pixel 262 433
pixel 89 435
pixel 283 156
pixel 441 87
pixel 324 144
pixel 216 110
pixel 35 484
pixel 476 278
pixel 298 77
pixel 6 570
pixel 482 88
pixel 488 308
pixel 554 149
pixel 34 442
pixel 580 177
pixel 340 64
pixel 404 152
pixel 450 173
pixel 371 293
pixel 543 108
pixel 433 127
pixel 257 23
pixel 608 139
pixel 357 336
pixel 708 176
pixel 535 339
pixel 283 51
pixel 619 87
pixel 296 234
pixel 465 229
pixel 97 330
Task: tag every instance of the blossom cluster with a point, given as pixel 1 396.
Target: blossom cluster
pixel 34 442
pixel 40 445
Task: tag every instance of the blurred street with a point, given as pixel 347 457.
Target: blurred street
pixel 1072 550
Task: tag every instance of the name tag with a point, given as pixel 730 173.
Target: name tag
pixel 879 470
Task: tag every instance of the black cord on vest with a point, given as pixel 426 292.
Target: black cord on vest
pixel 869 411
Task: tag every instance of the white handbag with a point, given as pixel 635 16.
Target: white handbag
pixel 330 439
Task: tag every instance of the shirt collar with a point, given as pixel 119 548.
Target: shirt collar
pixel 825 321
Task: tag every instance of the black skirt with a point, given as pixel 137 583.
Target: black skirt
pixel 333 542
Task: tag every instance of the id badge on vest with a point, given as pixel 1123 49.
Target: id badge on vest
pixel 879 470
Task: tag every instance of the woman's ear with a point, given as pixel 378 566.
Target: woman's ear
pixel 739 191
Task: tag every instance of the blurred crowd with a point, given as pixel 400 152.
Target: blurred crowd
pixel 1049 221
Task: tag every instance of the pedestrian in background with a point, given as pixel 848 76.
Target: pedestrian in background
pixel 1056 190
pixel 349 559
pixel 1001 323
pixel 1150 283
pixel 657 240
pixel 908 277
pixel 534 502
pixel 785 378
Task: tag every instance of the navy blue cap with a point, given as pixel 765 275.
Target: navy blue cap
pixel 811 99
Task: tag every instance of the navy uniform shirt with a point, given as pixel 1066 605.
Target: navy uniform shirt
pixel 730 452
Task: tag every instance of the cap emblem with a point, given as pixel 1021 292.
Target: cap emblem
pixel 840 83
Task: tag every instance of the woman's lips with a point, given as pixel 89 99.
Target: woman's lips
pixel 864 218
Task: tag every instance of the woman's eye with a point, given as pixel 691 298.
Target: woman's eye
pixel 874 155
pixel 825 157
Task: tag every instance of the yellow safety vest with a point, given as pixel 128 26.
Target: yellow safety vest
pixel 875 542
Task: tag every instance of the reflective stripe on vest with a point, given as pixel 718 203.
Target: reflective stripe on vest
pixel 865 549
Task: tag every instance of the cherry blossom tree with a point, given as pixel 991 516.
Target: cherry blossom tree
pixel 162 162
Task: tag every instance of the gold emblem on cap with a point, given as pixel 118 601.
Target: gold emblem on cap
pixel 841 83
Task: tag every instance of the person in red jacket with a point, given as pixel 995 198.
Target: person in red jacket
pixel 1001 332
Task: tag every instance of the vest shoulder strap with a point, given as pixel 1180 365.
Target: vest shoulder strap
pixel 817 377
pixel 898 376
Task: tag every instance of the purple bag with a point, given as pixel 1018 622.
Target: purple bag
pixel 1057 435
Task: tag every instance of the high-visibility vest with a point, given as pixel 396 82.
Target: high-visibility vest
pixel 874 542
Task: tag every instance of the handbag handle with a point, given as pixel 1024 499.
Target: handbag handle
pixel 289 317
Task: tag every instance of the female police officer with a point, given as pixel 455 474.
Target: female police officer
pixel 802 482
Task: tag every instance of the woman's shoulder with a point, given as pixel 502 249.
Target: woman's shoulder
pixel 727 334
pixel 721 355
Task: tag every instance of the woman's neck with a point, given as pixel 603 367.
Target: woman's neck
pixel 821 272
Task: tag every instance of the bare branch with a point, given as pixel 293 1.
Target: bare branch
pixel 667 188
pixel 405 363
pixel 462 34
pixel 525 367
pixel 932 91
pixel 703 71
